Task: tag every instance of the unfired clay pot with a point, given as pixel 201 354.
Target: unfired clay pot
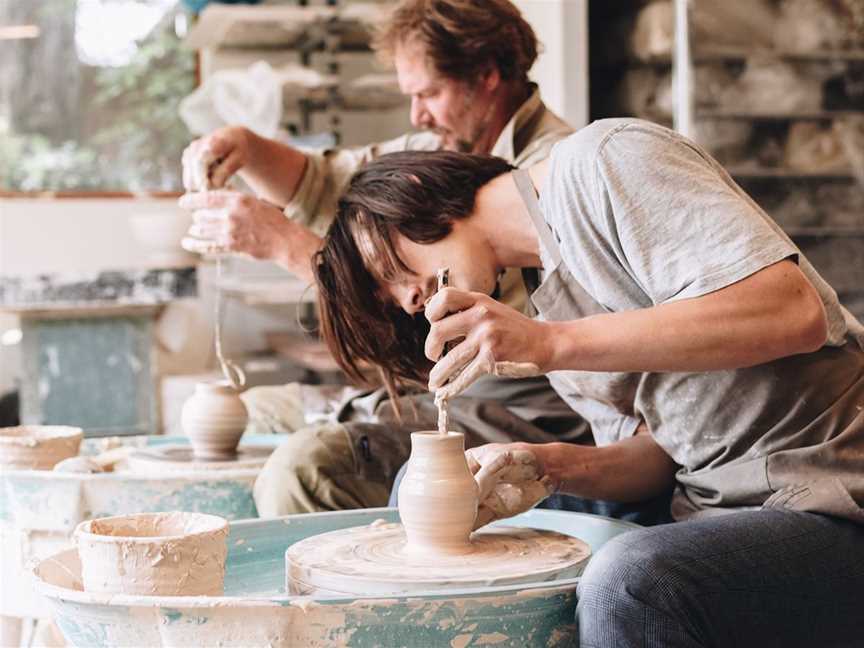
pixel 214 418
pixel 38 447
pixel 438 495
pixel 154 554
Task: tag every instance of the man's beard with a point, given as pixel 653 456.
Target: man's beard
pixel 476 130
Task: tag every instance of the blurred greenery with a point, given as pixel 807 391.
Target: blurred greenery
pixel 134 137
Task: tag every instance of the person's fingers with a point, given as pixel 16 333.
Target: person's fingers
pixel 206 199
pixel 457 360
pixel 451 328
pixel 224 167
pixel 449 300
pixel 509 369
pixel 208 217
pixel 473 463
pixel 484 516
pixel 219 146
pixel 520 472
pixel 480 366
pixel 213 231
pixel 186 164
pixel 489 474
pixel 203 246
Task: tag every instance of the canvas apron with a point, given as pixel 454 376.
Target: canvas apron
pixel 795 440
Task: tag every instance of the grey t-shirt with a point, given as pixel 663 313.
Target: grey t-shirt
pixel 643 217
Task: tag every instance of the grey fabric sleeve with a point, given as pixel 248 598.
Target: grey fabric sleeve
pixel 678 224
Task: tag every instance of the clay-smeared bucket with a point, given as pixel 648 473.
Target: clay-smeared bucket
pixel 38 447
pixel 154 554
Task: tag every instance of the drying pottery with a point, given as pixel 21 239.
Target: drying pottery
pixel 38 447
pixel 438 495
pixel 154 554
pixel 214 418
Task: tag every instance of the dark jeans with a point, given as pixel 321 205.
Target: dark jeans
pixel 647 513
pixel 759 578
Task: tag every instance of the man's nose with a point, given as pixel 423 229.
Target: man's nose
pixel 420 117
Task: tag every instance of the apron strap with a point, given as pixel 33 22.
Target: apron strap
pixel 529 197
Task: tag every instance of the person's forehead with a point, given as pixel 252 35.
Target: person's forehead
pixel 413 68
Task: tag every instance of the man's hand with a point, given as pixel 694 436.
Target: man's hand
pixel 511 480
pixel 208 162
pixel 497 340
pixel 230 221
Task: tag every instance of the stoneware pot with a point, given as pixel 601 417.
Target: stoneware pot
pixel 214 418
pixel 38 447
pixel 438 495
pixel 154 554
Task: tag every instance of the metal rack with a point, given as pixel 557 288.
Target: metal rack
pixel 839 248
pixel 315 33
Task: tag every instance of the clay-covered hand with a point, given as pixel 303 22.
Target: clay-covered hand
pixel 495 339
pixel 230 221
pixel 510 478
pixel 209 161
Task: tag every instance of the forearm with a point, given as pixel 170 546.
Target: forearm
pixel 274 171
pixel 769 315
pixel 631 470
pixel 296 251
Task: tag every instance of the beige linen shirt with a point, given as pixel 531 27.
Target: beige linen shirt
pixel 526 139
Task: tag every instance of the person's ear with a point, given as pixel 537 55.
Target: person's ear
pixel 491 78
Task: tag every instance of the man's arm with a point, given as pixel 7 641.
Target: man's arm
pixel 773 313
pixel 304 185
pixel 631 470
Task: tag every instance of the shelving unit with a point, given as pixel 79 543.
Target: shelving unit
pixel 308 45
pixel 836 250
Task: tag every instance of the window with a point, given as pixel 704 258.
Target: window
pixel 89 91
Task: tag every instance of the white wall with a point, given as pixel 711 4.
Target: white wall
pixel 39 236
pixel 562 67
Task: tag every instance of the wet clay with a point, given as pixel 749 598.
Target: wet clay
pixel 434 547
pixel 157 554
pixel 373 560
pixel 38 447
pixel 438 495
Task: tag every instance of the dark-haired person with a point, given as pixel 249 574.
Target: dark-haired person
pixel 682 323
pixel 465 64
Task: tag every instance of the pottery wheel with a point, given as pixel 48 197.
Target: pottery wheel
pixel 174 458
pixel 371 560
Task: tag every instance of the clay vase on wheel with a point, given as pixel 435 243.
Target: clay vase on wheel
pixel 438 495
pixel 214 418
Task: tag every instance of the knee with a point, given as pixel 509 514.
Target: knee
pixel 291 476
pixel 274 409
pixel 633 570
pixel 634 576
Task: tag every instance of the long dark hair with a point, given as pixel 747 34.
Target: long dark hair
pixel 417 194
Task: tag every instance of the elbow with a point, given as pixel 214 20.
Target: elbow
pixel 812 322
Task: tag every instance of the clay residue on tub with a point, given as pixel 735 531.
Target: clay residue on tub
pixel 154 554
pixel 166 525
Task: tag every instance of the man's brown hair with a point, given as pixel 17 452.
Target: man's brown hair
pixel 417 194
pixel 463 38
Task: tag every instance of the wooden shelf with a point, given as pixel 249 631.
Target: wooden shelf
pixel 765 116
pixel 283 26
pixel 739 54
pixel 735 54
